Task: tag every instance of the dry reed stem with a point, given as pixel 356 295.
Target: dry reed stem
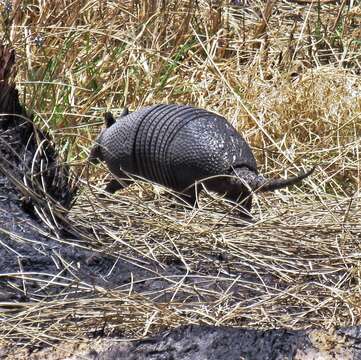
pixel 296 98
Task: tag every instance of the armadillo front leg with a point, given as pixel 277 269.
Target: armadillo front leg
pixel 113 186
pixel 119 183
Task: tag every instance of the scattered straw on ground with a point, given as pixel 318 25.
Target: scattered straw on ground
pixel 287 79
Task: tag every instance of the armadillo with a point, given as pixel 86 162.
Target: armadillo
pixel 182 147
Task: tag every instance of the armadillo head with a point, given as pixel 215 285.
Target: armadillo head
pixel 95 155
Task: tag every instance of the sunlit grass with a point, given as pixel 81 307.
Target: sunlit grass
pixel 288 80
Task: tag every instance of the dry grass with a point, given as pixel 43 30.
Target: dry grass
pixel 288 79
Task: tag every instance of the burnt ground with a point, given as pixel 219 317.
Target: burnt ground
pixel 209 342
pixel 34 252
pixel 213 343
pixel 37 245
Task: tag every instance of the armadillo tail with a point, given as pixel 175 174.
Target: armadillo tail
pixel 275 184
pixel 260 183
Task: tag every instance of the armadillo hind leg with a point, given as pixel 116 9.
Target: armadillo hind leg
pixel 189 197
pixel 243 200
pixel 234 190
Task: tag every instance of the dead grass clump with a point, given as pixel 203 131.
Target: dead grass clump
pixel 287 76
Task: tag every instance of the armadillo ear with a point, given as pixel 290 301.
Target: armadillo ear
pixel 108 119
pixel 125 112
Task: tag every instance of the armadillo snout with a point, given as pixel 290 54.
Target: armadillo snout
pixel 95 155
